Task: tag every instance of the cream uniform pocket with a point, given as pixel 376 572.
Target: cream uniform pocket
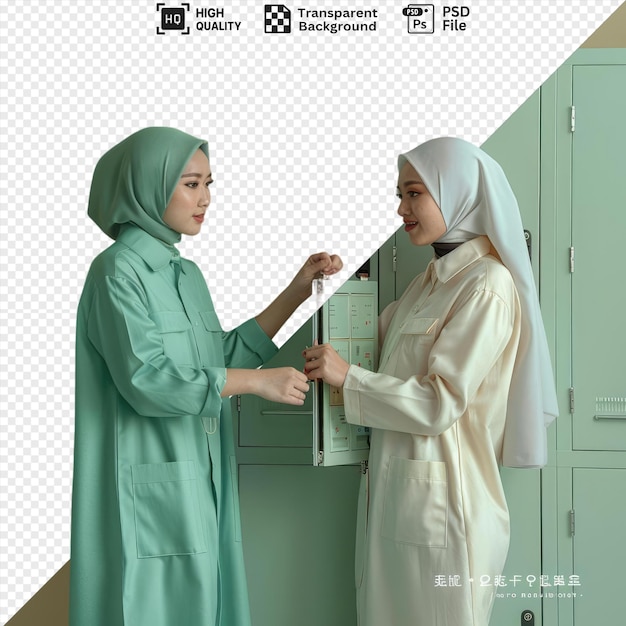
pixel 416 338
pixel 422 326
pixel 415 510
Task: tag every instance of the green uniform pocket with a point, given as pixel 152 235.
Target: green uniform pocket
pixel 175 331
pixel 167 509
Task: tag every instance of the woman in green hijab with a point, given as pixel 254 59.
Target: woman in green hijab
pixel 155 517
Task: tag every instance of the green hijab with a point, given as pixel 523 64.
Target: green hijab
pixel 134 181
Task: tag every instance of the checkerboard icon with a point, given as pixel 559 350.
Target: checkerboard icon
pixel 277 18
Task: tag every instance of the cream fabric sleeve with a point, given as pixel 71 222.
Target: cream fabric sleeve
pixel 467 348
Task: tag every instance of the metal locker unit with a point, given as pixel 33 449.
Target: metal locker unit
pixel 349 322
pixel 274 462
pixel 274 433
pixel 583 262
pixel 579 308
pixel 316 433
pixel 296 519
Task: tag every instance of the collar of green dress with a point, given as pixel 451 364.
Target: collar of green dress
pixel 154 252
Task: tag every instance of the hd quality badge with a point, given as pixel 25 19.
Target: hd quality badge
pixel 176 18
pixel 172 18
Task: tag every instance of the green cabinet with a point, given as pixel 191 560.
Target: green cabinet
pixel 298 521
pixel 598 279
pixel 298 525
pixel 598 523
pixel 583 223
pixel 349 322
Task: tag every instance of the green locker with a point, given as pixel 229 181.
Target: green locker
pixel 598 257
pixel 349 322
pixel 298 526
pixel 598 523
pixel 269 432
pixel 565 519
pixel 264 435
pixel 583 222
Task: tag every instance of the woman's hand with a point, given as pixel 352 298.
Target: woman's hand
pixel 298 290
pixel 281 384
pixel 317 265
pixel 324 362
pixel 277 384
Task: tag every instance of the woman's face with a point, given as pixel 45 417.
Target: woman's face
pixel 191 197
pixel 422 217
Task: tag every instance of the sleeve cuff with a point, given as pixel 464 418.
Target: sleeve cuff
pixel 213 404
pixel 351 396
pixel 255 337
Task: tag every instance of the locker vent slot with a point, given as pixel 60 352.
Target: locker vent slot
pixel 610 408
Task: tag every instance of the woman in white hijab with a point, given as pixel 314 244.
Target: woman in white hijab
pixel 464 384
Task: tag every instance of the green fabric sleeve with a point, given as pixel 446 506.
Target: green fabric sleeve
pixel 123 333
pixel 247 346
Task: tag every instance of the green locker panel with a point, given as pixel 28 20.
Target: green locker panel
pixel 583 221
pixel 599 257
pixel 298 536
pixel 269 432
pixel 269 424
pixel 599 504
pixel 522 488
pixel 299 521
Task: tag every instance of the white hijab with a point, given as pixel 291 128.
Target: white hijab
pixel 476 199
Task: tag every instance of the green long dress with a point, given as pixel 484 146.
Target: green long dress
pixel 155 518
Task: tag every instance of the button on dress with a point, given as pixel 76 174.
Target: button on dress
pixel 156 535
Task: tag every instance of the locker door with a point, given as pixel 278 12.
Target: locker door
pixel 599 502
pixel 298 524
pixel 348 321
pixel 599 257
pixel 271 432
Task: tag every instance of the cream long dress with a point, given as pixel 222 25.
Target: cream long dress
pixel 433 525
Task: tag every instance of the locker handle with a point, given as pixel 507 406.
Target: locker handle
pixel 529 243
pixel 609 417
pixel 286 412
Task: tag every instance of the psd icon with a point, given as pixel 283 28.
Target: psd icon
pixel 172 18
pixel 277 18
pixel 420 18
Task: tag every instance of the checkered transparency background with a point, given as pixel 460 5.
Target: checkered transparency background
pixel 303 128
